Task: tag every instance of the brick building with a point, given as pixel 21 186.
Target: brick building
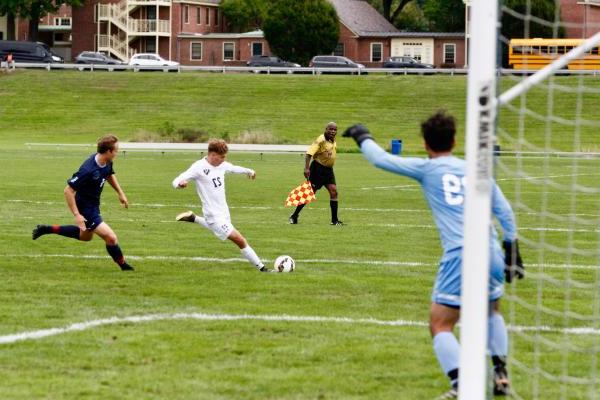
pixel 582 17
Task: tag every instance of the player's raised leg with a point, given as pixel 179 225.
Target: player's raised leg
pixel 70 231
pixel 112 246
pixel 447 349
pixel 189 216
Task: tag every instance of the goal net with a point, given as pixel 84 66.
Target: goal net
pixel 547 162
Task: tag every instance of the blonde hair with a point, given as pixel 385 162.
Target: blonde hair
pixel 218 146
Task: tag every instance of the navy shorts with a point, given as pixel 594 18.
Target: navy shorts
pixel 91 212
pixel 320 176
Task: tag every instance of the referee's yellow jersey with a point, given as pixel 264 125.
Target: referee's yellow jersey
pixel 323 151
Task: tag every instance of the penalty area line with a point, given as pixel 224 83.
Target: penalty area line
pixel 83 326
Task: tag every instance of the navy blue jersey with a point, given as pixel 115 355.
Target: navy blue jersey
pixel 89 181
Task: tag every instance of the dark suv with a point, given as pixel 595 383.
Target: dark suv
pixel 270 61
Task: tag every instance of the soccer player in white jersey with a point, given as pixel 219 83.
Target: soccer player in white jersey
pixel 209 175
pixel 442 177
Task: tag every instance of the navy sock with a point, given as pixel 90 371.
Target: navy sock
pixel 71 231
pixel 116 253
pixel 334 208
pixel 298 209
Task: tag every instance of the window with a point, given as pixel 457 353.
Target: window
pixel 1 35
pixel 339 50
pixel 196 51
pixel 449 53
pixel 216 17
pixel 186 16
pixel 257 49
pixel 198 16
pixel 62 21
pixel 150 45
pixel 207 14
pixel 151 13
pixel 376 52
pixel 228 51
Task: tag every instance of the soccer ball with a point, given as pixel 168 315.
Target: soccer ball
pixel 284 264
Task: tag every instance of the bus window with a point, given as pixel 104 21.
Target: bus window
pixel 552 50
pixel 544 50
pixel 517 50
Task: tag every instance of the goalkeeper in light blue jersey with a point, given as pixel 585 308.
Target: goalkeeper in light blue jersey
pixel 442 177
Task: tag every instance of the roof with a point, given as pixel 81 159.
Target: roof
pixel 362 19
pixel 401 34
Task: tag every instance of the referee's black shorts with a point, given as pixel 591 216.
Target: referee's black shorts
pixel 320 175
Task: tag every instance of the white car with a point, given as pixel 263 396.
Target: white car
pixel 151 60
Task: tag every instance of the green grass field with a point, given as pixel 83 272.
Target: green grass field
pixel 312 334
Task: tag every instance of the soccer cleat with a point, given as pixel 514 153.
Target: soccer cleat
pixel 338 222
pixel 126 267
pixel 264 269
pixel 501 382
pixel 293 219
pixel 187 216
pixel 39 231
pixel 450 394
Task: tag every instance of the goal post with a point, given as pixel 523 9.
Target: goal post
pixel 480 137
pixel 548 125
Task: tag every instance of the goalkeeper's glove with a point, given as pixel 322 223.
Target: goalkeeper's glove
pixel 358 132
pixel 512 260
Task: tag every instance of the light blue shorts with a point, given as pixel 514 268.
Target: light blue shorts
pixel 447 283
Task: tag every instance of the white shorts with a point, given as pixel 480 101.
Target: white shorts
pixel 221 228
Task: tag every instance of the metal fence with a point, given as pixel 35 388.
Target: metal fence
pixel 273 70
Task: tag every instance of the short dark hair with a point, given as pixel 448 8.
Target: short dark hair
pixel 218 146
pixel 107 143
pixel 439 131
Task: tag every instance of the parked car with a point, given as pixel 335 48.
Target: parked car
pixel 151 60
pixel 55 57
pixel 405 62
pixel 31 52
pixel 91 57
pixel 270 61
pixel 334 62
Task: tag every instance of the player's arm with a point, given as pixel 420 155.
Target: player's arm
pixel 411 167
pixel 236 169
pixel 72 204
pixel 182 180
pixel 310 153
pixel 112 179
pixel 512 256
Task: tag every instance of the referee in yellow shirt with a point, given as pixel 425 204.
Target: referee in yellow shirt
pixel 320 171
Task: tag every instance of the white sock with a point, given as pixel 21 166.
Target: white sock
pixel 201 221
pixel 250 255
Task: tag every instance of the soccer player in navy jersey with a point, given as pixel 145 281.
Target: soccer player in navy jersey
pixel 442 177
pixel 82 194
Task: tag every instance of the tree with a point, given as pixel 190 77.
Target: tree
pixel 390 9
pixel 412 19
pixel 245 15
pixel 297 30
pixel 445 15
pixel 33 10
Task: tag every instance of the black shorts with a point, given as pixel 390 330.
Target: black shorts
pixel 320 176
pixel 91 212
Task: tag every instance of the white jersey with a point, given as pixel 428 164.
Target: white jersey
pixel 210 186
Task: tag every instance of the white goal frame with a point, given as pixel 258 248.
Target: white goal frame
pixel 482 104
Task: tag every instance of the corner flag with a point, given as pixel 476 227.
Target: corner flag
pixel 303 194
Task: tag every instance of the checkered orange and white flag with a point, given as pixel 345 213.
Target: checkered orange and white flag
pixel 303 194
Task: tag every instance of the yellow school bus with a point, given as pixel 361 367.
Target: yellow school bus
pixel 537 53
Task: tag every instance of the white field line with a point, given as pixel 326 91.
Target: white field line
pixel 197 205
pixel 82 326
pixel 307 261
